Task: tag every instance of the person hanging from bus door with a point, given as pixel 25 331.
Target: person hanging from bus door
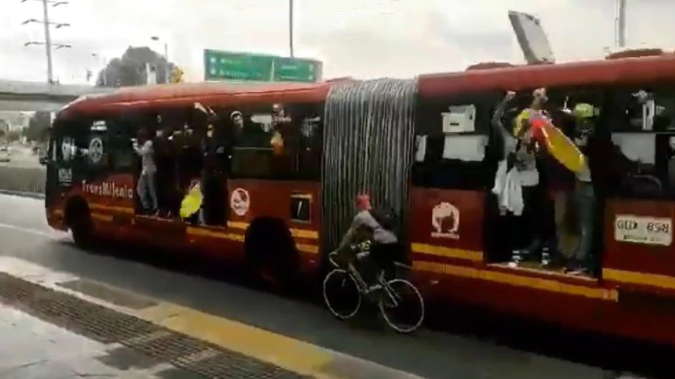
pixel 145 188
pixel 165 171
pixel 584 196
pixel 373 225
pixel 539 215
pixel 517 177
pixel 507 186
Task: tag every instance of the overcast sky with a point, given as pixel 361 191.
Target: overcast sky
pixel 361 38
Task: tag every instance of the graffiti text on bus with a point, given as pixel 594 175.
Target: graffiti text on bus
pixel 108 189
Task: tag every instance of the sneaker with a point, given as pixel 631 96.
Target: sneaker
pixel 545 257
pixel 516 258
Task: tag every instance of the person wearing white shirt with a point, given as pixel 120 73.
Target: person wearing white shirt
pixel 145 188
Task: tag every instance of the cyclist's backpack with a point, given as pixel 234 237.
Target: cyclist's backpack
pixel 385 217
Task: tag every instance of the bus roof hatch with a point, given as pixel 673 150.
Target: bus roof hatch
pixel 531 38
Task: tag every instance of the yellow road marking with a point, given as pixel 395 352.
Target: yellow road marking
pixel 286 352
pixel 440 251
pixel 634 277
pixel 518 280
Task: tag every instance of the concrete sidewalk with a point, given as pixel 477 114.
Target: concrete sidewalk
pixel 33 349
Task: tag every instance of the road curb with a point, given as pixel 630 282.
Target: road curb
pixel 32 195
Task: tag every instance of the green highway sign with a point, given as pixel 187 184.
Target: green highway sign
pixel 222 65
pixel 295 70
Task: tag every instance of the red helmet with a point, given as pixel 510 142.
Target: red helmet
pixel 363 201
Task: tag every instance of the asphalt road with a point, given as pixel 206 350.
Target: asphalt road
pixel 473 352
pixel 21 156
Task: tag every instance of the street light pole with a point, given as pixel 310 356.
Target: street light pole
pixel 48 37
pixel 166 58
pixel 48 43
pixel 621 23
pixel 290 26
pixel 166 63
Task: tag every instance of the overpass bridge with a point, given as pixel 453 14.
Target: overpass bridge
pixel 34 96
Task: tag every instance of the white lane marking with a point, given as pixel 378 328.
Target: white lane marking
pixel 50 278
pixel 32 272
pixel 28 230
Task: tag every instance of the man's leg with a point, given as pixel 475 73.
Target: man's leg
pixel 586 208
pixel 152 190
pixel 141 187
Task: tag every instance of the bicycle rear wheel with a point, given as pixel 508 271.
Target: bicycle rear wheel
pixel 341 294
pixel 402 306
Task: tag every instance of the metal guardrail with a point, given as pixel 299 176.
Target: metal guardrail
pixel 28 181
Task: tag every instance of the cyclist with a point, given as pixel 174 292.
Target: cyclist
pixel 375 226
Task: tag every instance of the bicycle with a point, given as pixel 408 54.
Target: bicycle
pixel 389 294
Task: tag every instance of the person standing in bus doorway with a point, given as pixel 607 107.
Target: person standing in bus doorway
pixel 518 176
pixel 165 171
pixel 584 195
pixel 146 181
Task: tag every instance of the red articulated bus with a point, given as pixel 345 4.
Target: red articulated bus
pixel 296 155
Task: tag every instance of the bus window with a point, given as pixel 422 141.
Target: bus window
pixel 276 141
pixel 120 150
pixel 451 142
pixel 642 127
pixel 82 143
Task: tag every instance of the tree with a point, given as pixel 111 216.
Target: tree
pixel 129 70
pixel 38 127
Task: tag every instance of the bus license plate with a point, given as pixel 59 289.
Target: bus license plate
pixel 643 230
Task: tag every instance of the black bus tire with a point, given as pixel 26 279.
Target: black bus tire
pixel 270 254
pixel 79 221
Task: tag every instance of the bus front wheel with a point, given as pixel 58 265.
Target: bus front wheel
pixel 80 223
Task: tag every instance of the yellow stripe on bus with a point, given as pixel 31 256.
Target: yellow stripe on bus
pixel 102 207
pixel 306 248
pixel 297 233
pixel 102 217
pixel 541 284
pixel 440 251
pixel 311 249
pixel 215 234
pixel 640 278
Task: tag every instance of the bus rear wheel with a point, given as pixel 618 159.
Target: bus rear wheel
pixel 271 259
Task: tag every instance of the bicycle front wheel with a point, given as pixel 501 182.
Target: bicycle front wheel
pixel 402 306
pixel 341 294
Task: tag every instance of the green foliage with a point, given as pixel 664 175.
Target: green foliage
pixel 129 70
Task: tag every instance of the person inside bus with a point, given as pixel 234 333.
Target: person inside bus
pixel 584 196
pixel 146 182
pixel 517 182
pixel 213 156
pixel 370 225
pixel 165 171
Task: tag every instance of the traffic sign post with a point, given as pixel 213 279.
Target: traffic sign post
pixel 221 65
